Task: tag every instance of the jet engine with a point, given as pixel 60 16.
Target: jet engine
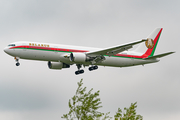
pixel 78 57
pixel 57 65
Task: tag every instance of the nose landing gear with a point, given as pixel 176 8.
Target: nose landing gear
pixel 17 64
pixel 17 61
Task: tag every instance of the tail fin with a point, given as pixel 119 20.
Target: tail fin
pixel 151 43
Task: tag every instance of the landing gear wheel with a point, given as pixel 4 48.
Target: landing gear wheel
pixel 17 64
pixel 91 68
pixel 17 61
pixel 79 72
pixel 95 67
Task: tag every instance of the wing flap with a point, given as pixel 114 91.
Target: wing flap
pixel 113 52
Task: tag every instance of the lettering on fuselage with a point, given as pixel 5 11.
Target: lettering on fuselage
pixel 40 45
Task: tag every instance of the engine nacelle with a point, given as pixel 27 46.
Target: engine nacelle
pixel 78 57
pixel 57 65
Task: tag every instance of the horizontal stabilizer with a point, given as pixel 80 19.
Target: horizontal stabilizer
pixel 159 56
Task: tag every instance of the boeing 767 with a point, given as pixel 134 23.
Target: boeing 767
pixel 63 56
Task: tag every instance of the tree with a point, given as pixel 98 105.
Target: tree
pixel 129 114
pixel 84 105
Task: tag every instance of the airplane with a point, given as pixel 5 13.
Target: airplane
pixel 63 56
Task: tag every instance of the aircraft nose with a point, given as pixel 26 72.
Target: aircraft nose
pixel 6 50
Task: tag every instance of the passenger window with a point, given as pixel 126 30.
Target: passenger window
pixel 11 45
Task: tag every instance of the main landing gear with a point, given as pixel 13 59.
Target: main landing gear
pixel 79 71
pixel 82 71
pixel 93 68
pixel 17 61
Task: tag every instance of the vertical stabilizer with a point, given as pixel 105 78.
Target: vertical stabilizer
pixel 148 48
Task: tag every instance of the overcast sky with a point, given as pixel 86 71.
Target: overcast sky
pixel 33 92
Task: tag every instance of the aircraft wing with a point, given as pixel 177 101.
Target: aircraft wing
pixel 114 50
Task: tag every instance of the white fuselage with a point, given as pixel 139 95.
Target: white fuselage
pixel 57 53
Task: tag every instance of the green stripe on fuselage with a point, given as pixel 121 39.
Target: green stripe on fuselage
pixel 71 52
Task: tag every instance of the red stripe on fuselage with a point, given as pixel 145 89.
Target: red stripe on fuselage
pixel 70 50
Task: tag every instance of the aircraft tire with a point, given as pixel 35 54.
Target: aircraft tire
pixel 95 67
pixel 17 64
pixel 91 68
pixel 81 71
pixel 77 72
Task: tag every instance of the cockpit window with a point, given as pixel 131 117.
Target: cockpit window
pixel 11 45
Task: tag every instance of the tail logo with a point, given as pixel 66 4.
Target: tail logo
pixel 149 43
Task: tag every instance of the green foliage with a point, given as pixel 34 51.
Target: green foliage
pixel 106 116
pixel 84 105
pixel 129 113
